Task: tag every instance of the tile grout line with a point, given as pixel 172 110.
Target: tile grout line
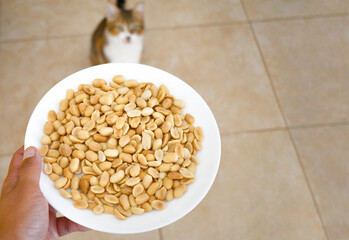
pixel 261 130
pixel 264 63
pixel 46 37
pixel 335 124
pixel 190 26
pixel 308 184
pixel 161 237
pixel 43 38
pixel 254 131
pixel 318 125
pixel 291 18
pixel 283 116
pixel 212 24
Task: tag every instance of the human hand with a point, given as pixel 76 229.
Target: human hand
pixel 24 211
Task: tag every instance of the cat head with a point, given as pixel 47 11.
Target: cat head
pixel 126 24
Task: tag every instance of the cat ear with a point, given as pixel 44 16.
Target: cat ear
pixel 138 10
pixel 112 11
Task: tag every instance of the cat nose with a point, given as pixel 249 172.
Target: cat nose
pixel 128 39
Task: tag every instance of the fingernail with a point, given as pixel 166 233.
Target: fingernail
pixel 29 152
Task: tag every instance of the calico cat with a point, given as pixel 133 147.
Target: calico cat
pixel 119 36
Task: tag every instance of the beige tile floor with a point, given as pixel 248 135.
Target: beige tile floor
pixel 275 74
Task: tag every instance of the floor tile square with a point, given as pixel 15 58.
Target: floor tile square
pixel 81 17
pixel 164 14
pixel 23 19
pixel 268 9
pixel 324 154
pixel 307 61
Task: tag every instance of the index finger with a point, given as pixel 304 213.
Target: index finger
pixel 12 174
pixel 66 226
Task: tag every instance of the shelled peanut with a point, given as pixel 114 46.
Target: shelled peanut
pixel 122 148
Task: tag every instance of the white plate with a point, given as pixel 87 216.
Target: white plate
pixel 209 156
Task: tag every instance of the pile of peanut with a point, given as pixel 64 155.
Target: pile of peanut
pixel 120 149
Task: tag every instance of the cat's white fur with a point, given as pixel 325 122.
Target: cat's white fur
pixel 118 49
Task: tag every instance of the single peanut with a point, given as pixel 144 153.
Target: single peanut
pixel 158 205
pixel 179 191
pixel 60 182
pixel 124 202
pixel 142 198
pixel 137 210
pixel 98 209
pixel 81 204
pixel 117 176
pixel 65 194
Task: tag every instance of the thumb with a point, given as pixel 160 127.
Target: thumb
pixel 30 169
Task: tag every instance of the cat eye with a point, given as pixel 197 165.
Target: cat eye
pixel 119 27
pixel 134 27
